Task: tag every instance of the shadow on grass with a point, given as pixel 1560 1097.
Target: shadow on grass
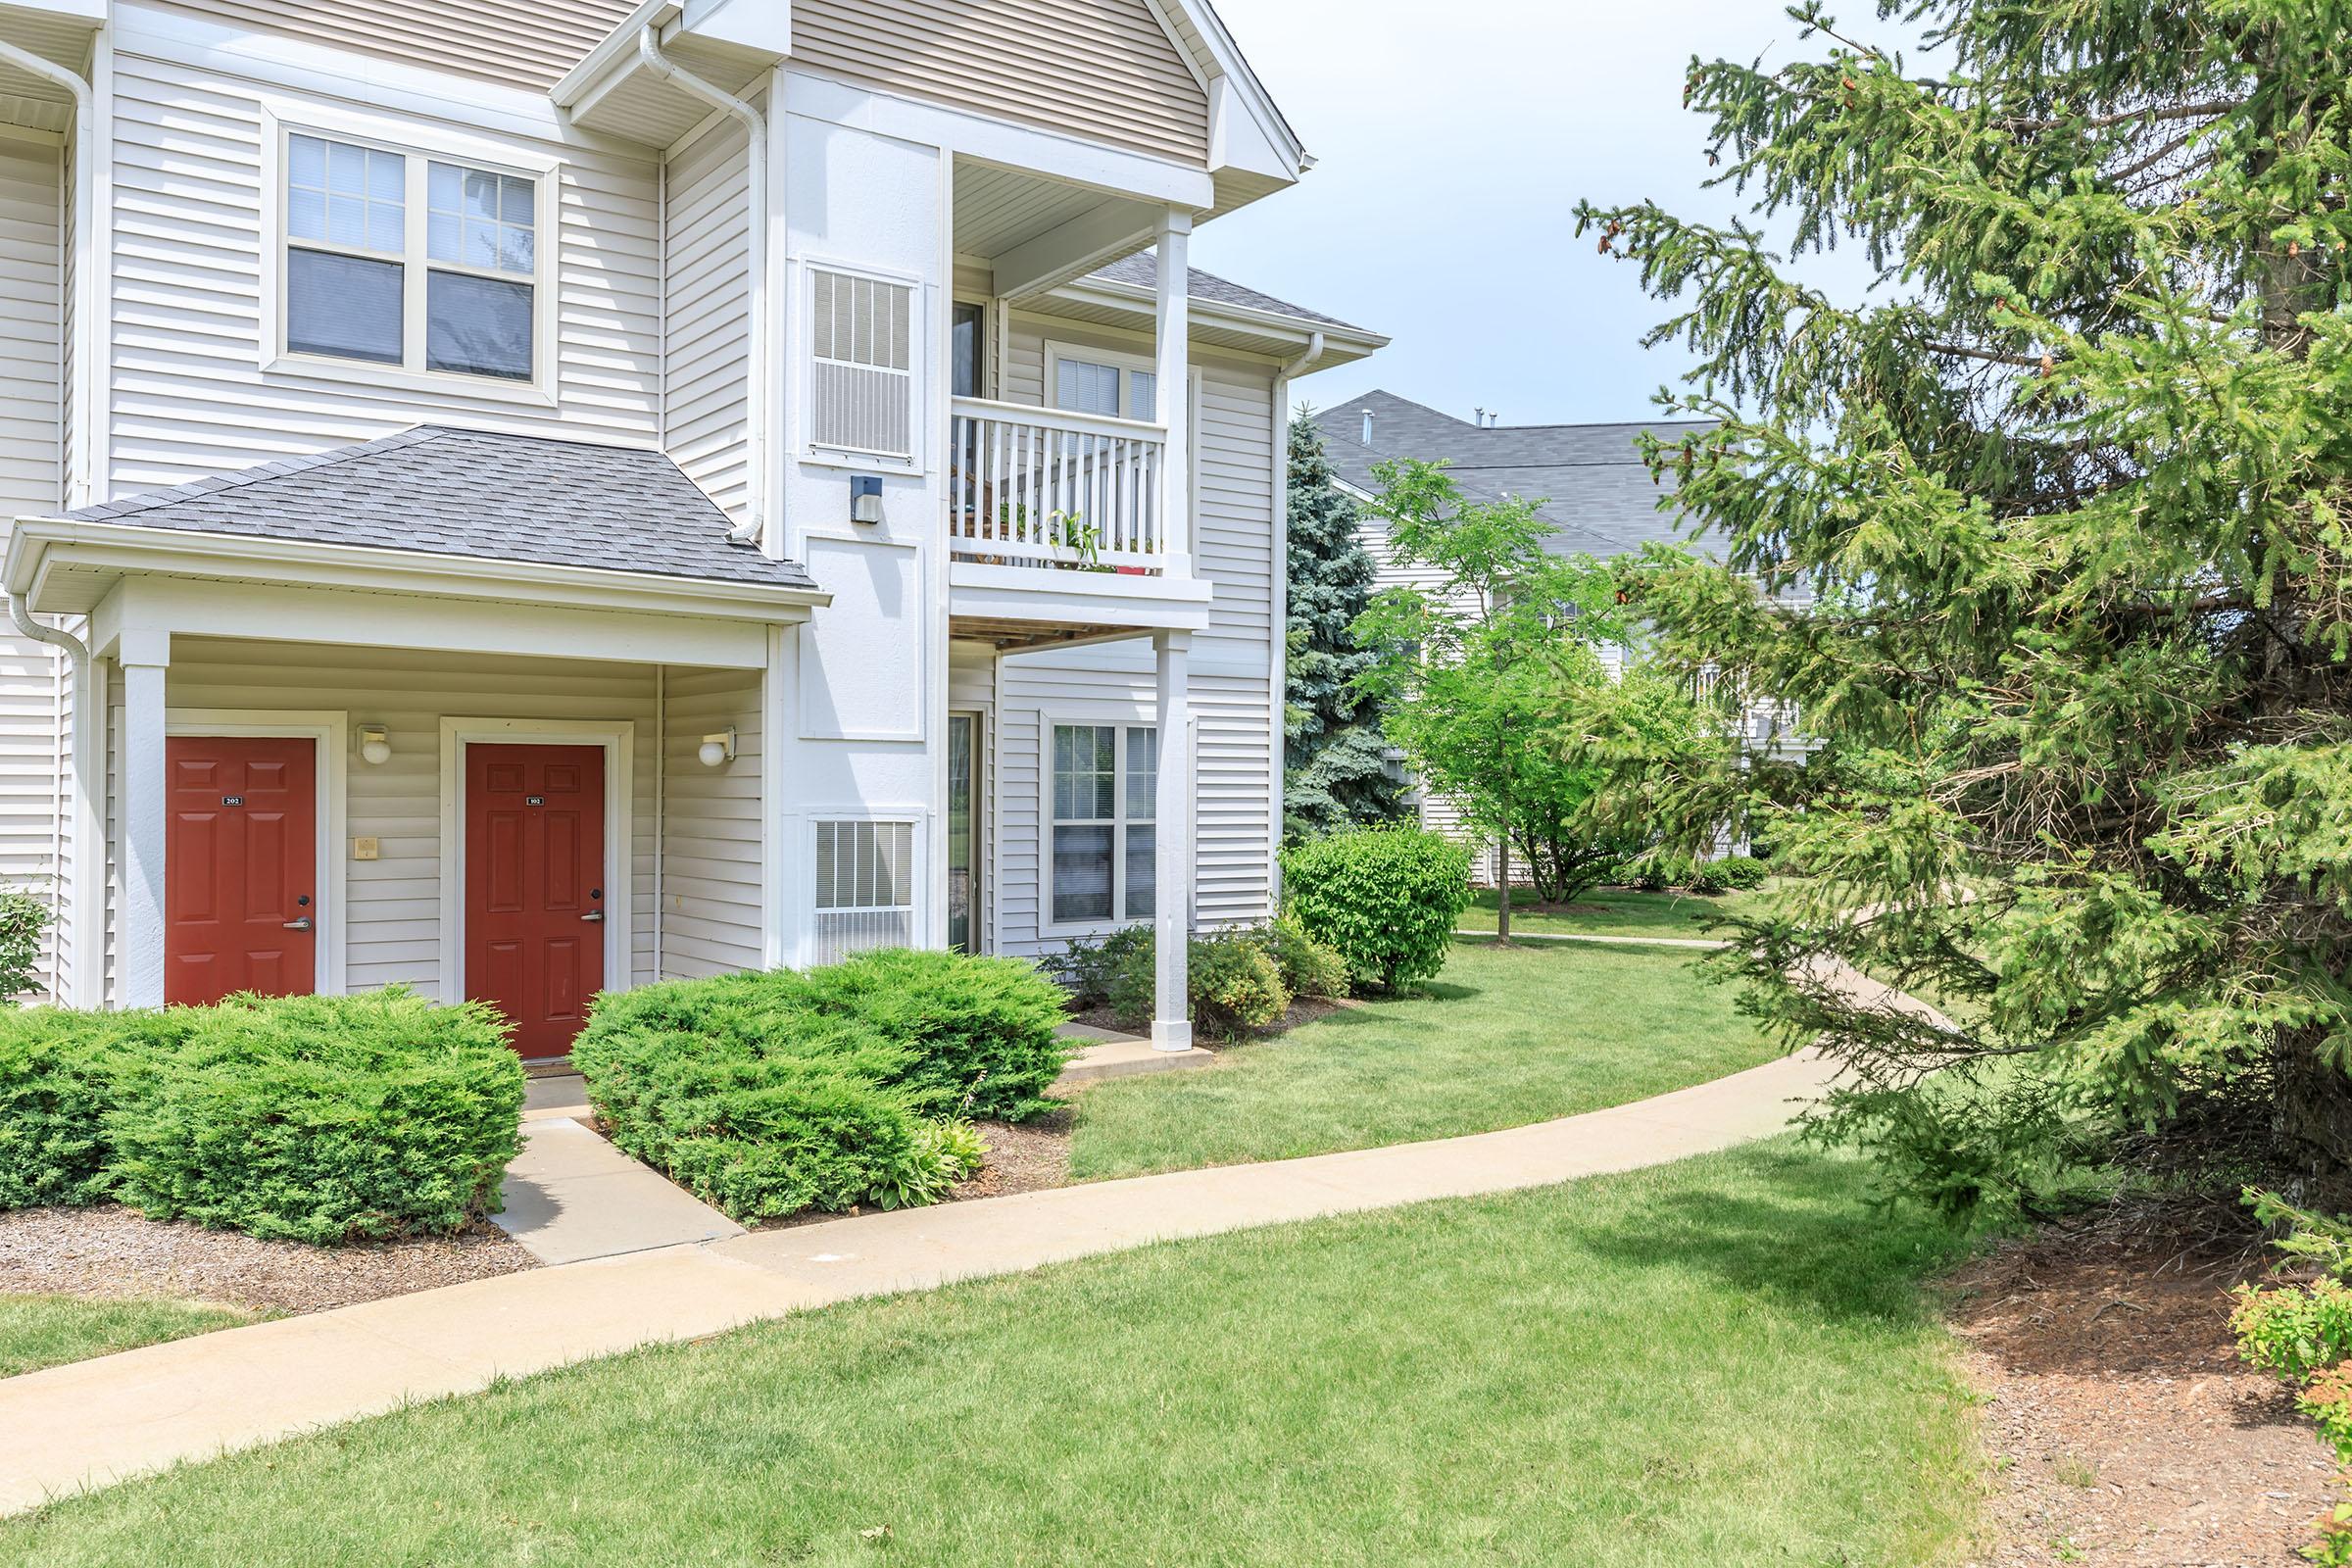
pixel 1792 1223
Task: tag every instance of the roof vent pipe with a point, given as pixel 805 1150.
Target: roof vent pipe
pixel 1367 427
pixel 753 528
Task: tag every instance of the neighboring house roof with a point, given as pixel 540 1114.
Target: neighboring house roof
pixel 474 493
pixel 1142 271
pixel 1591 479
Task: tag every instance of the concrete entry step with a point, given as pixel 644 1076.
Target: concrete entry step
pixel 571 1197
pixel 1108 1054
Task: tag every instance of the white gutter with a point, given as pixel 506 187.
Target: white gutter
pixel 754 528
pixel 89 853
pixel 82 393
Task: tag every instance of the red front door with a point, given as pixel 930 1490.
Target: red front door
pixel 535 887
pixel 240 868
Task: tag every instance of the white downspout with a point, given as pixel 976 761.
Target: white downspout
pixel 89 709
pixel 753 528
pixel 85 269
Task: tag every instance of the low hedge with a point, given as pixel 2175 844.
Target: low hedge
pixel 1388 898
pixel 769 1093
pixel 317 1119
pixel 1240 979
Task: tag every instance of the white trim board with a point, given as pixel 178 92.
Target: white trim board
pixel 618 738
pixel 329 732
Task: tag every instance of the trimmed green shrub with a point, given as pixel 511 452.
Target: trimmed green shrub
pixel 980 1030
pixel 320 1118
pixel 1310 967
pixel 1232 985
pixel 769 1093
pixel 1388 899
pixel 1088 966
pixel 60 1072
pixel 23 919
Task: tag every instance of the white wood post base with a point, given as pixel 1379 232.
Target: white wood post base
pixel 145 828
pixel 1172 843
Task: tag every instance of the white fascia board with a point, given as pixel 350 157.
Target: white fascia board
pixel 1250 95
pixel 1026 148
pixel 616 48
pixel 761 25
pixel 39 547
pixel 386 85
pixel 1341 344
pixel 1051 597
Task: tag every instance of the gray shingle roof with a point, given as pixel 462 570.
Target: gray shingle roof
pixel 474 493
pixel 1142 270
pixel 1590 477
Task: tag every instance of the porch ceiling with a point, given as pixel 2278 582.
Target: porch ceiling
pixel 57 33
pixel 1017 636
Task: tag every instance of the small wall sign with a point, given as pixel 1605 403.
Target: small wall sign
pixel 232 800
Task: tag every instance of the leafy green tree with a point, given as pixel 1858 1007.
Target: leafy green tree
pixel 1610 738
pixel 2070 493
pixel 1335 757
pixel 1481 671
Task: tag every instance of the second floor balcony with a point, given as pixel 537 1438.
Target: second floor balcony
pixel 1045 488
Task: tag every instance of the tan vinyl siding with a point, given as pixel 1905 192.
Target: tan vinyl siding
pixel 1104 69
pixel 190 397
pixel 710 333
pixel 393 929
pixel 35 696
pixel 711 872
pixel 524 46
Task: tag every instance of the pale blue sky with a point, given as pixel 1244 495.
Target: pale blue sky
pixel 1453 140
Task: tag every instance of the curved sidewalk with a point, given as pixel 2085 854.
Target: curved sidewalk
pixel 105 1420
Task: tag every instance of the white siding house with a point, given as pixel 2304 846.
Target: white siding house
pixel 522 498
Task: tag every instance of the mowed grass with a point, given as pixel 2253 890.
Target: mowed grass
pixel 38 1330
pixel 1614 912
pixel 1506 1037
pixel 1726 1362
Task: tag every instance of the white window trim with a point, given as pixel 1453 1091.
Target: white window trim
pixel 918 360
pixel 330 774
pixel 421 147
pixel 1057 351
pixel 1123 719
pixel 619 740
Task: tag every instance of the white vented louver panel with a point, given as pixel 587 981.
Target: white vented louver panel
pixel 864 886
pixel 861 364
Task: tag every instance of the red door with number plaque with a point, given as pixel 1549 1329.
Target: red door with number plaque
pixel 240 868
pixel 535 888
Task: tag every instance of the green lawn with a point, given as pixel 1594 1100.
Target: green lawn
pixel 1506 1037
pixel 38 1330
pixel 1613 912
pixel 1726 1362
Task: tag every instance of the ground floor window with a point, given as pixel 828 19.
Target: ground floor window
pixel 1106 783
pixel 864 886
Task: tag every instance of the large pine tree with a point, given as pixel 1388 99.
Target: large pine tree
pixel 1336 763
pixel 2072 491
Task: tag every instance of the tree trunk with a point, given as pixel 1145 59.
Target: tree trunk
pixel 2313 1118
pixel 1503 891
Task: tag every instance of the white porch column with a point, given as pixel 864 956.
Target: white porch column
pixel 1174 386
pixel 780 944
pixel 1173 812
pixel 145 656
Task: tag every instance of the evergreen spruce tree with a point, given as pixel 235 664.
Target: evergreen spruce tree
pixel 2074 494
pixel 1335 760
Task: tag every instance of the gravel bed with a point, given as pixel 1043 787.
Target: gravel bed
pixel 112 1252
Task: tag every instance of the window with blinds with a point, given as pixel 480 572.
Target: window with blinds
pixel 864 886
pixel 861 364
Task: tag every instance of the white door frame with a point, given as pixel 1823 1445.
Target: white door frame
pixel 326 730
pixel 617 737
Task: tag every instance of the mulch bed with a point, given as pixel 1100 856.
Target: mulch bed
pixel 2121 1425
pixel 112 1252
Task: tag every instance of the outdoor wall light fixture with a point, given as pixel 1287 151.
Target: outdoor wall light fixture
pixel 865 498
pixel 719 749
pixel 375 745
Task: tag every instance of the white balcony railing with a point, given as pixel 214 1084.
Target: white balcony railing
pixel 1038 487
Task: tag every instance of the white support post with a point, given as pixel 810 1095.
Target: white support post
pixel 780 944
pixel 145 657
pixel 1174 387
pixel 1173 827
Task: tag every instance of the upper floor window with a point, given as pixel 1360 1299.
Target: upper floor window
pixel 1112 385
pixel 408 261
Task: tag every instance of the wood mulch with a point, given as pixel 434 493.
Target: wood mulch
pixel 2121 1426
pixel 112 1252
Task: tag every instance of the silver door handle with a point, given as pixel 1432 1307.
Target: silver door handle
pixel 302 924
pixel 594 917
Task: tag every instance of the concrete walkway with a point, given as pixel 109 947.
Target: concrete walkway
pixel 100 1421
pixel 571 1197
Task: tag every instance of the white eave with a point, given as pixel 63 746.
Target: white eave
pixel 1224 324
pixel 63 565
pixel 613 92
